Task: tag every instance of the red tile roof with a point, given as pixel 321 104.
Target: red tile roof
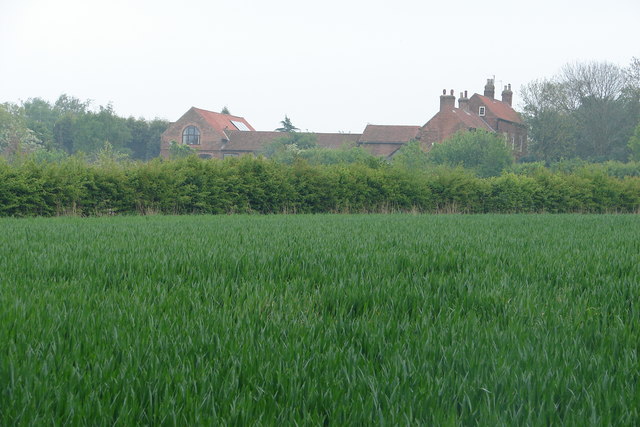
pixel 222 122
pixel 449 121
pixel 500 109
pixel 389 133
pixel 337 140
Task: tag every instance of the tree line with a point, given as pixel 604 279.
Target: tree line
pixel 70 126
pixel 588 111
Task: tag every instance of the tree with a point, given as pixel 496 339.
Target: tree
pixel 634 144
pixel 411 157
pixel 15 136
pixel 286 148
pixel 287 126
pixel 225 110
pixel 588 110
pixel 484 152
pixel 179 151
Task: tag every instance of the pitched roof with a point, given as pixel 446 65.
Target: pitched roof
pixel 389 133
pixel 336 140
pixel 452 117
pixel 254 141
pixel 222 122
pixel 500 109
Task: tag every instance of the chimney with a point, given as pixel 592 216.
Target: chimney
pixel 489 89
pixel 447 101
pixel 463 101
pixel 507 95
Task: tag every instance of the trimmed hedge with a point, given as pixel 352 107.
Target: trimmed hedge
pixel 256 185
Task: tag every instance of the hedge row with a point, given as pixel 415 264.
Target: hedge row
pixel 248 185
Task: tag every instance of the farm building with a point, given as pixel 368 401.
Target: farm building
pixel 219 135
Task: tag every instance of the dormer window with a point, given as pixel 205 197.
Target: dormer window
pixel 481 111
pixel 191 136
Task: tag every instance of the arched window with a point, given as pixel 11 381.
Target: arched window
pixel 191 135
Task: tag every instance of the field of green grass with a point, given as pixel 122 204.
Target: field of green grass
pixel 327 319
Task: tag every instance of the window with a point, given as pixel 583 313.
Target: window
pixel 481 111
pixel 191 136
pixel 239 125
pixel 225 155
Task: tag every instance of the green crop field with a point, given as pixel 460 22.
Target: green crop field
pixel 327 319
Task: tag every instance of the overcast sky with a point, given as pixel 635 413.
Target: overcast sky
pixel 329 65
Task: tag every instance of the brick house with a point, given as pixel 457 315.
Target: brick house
pixel 386 140
pixel 478 112
pixel 206 131
pixel 218 135
pixel 223 135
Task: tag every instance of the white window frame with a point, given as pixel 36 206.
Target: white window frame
pixel 482 110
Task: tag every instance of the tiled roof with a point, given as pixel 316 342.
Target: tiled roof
pixel 386 133
pixel 470 120
pixel 254 141
pixel 222 122
pixel 449 121
pixel 500 109
pixel 336 140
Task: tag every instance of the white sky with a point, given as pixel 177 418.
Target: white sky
pixel 329 65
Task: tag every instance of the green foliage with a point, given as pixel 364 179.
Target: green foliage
pixel 187 184
pixel 319 319
pixel 287 126
pixel 69 125
pixel 634 144
pixel 345 155
pixel 484 152
pixel 411 157
pixel 179 151
pixel 587 111
pixel 15 137
pixel 287 148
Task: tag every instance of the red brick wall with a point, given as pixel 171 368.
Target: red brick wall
pixel 442 126
pixel 210 140
pixel 515 134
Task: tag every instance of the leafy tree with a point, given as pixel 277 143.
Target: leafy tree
pixel 634 144
pixel 225 110
pixel 287 126
pixel 179 151
pixel 484 152
pixel 552 131
pixel 40 117
pixel 68 104
pixel 588 111
pixel 108 155
pixel 15 136
pixel 411 157
pixel 93 129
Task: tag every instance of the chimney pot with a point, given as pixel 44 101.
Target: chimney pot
pixel 489 89
pixel 507 95
pixel 447 101
pixel 463 101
